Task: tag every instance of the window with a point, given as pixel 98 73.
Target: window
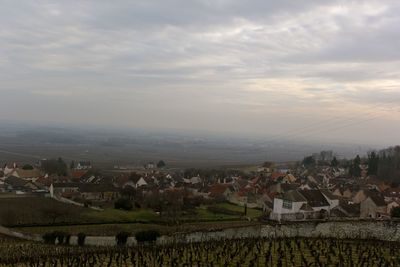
pixel 287 204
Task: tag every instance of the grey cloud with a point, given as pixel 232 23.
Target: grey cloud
pixel 197 61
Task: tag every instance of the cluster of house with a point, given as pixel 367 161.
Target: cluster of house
pixel 28 180
pixel 338 196
pixel 283 194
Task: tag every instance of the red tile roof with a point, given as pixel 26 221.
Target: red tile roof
pixel 217 190
pixel 78 174
pixel 276 175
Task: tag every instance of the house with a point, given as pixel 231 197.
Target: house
pixel 129 183
pixel 289 178
pixel 276 175
pixel 321 180
pixel 288 206
pixel 31 175
pixel 338 172
pixel 193 180
pixel 238 198
pixel 219 191
pixel 13 183
pixel 10 169
pixel 392 204
pixel 363 194
pixel 134 181
pixel 360 196
pixel 141 182
pixel 376 184
pixel 83 165
pixel 344 192
pixel 346 210
pixel 391 194
pixel 99 192
pixel 374 206
pixel 300 205
pixel 2 186
pixel 44 181
pixel 316 200
pixel 150 165
pixel 64 189
pixel 265 201
pixel 77 174
pixel 331 198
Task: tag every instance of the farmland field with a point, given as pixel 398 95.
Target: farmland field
pixel 244 252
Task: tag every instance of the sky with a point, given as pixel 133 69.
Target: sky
pixel 315 70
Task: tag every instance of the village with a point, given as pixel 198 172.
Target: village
pixel 280 191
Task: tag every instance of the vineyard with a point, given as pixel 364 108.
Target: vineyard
pixel 245 252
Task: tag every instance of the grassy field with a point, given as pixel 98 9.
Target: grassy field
pixel 204 214
pixel 113 215
pixel 25 211
pixel 37 210
pixel 29 218
pixel 252 213
pixel 146 215
pixel 112 221
pixel 244 253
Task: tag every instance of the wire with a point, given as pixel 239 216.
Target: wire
pixel 315 126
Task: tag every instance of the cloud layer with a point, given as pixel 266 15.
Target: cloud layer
pixel 255 67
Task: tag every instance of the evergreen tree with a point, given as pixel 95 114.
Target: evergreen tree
pixel 334 162
pixel 373 163
pixel 355 169
pixel 309 162
pixel 161 164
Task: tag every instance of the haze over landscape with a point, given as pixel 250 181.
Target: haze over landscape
pixel 315 71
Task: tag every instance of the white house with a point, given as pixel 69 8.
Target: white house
pixel 300 205
pixel 141 182
pixel 288 205
pixel 193 180
pixel 83 165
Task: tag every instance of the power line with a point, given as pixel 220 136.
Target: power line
pixel 316 126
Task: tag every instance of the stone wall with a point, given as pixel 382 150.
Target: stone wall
pixel 101 241
pixel 381 230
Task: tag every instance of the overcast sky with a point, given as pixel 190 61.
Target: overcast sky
pixel 299 69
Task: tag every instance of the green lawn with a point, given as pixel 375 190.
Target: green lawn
pixel 111 221
pixel 205 215
pixel 252 213
pixel 113 215
pixel 146 215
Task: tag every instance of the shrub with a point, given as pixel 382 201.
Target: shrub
pixel 49 238
pixel 60 237
pixel 87 203
pixel 147 236
pixel 122 238
pixel 67 239
pixel 395 212
pixel 124 204
pixel 81 239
